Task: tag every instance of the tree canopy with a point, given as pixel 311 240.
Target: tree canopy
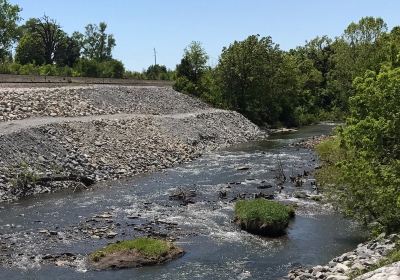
pixel 96 43
pixel 9 18
pixel 44 48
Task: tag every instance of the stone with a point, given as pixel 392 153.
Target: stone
pixel 357 266
pixel 111 234
pixel 341 268
pixel 104 216
pixel 243 168
pixel 337 277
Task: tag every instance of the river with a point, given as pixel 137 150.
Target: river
pixel 215 247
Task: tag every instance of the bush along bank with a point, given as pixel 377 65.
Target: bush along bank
pixel 377 259
pixel 360 172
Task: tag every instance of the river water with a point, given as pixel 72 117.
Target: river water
pixel 215 247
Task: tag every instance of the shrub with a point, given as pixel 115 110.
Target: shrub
pixel 93 68
pixel 263 217
pixel 48 70
pixel 24 180
pixel 183 85
pixel 86 68
pixel 362 166
pixel 111 69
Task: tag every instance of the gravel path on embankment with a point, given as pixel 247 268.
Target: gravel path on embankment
pixel 104 132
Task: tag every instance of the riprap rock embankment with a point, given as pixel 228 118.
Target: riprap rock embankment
pixel 52 138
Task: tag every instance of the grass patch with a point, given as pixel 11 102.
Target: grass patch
pixel 263 216
pixel 25 176
pixel 148 247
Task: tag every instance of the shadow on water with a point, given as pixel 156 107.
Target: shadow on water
pixel 215 248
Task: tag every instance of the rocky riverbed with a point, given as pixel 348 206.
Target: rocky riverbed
pixel 192 205
pixel 159 128
pixel 363 258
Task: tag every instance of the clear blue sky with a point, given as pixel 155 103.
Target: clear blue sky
pixel 170 25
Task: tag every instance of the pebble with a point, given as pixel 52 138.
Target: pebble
pixel 111 234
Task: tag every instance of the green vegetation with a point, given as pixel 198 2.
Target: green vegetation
pixel 264 217
pixel 44 48
pixel 25 177
pixel 392 257
pixel 148 247
pixel 362 164
pixel 9 17
pixel 273 87
pixel 191 71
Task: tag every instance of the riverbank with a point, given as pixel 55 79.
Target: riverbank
pixel 346 266
pixel 369 261
pixel 73 137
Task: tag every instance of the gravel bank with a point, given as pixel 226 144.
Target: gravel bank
pixel 165 128
pixel 389 272
pixel 361 259
pixel 21 103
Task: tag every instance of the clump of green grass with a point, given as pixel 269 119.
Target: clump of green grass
pixel 25 177
pixel 263 216
pixel 148 247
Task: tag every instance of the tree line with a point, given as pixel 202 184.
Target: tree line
pixel 42 47
pixel 274 87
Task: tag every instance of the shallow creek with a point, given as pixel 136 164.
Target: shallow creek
pixel 39 232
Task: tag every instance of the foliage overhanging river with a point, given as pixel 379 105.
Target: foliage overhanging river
pixel 216 248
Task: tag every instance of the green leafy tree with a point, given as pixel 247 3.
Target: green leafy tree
pixel 67 52
pixel 362 47
pixel 44 42
pixel 96 43
pixel 366 155
pixel 194 63
pixel 192 69
pixel 395 46
pixel 30 50
pixel 50 33
pixel 258 80
pixel 9 17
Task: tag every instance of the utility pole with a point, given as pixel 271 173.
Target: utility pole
pixel 155 57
